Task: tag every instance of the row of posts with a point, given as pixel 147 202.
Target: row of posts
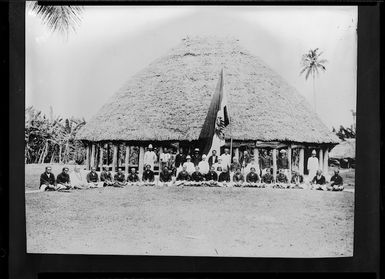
pixel 323 158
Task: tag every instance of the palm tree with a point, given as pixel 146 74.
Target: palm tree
pixel 311 64
pixel 60 19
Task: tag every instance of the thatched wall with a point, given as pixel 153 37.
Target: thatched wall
pixel 169 99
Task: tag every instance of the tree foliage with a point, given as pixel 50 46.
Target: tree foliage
pixel 52 138
pixel 345 132
pixel 62 19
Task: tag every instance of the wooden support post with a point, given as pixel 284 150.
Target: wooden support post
pixel 141 161
pixel 88 154
pixel 326 163
pixel 108 154
pixel 236 155
pixel 101 150
pixel 290 164
pixel 275 164
pixel 256 159
pixel 92 155
pixel 115 158
pixel 301 164
pixel 127 160
pixel 320 159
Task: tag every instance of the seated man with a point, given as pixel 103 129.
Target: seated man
pixel 63 180
pixel 212 174
pixel 219 166
pixel 106 177
pixel 148 175
pixel 190 168
pixel 336 182
pixel 197 176
pixel 93 179
pixel 133 176
pixel 238 176
pixel 235 164
pixel 297 178
pixel 224 176
pixel 281 177
pixel 77 179
pixel 319 181
pixel 268 177
pixel 119 179
pixel 47 180
pixel 204 165
pixel 183 175
pixel 252 176
pixel 165 176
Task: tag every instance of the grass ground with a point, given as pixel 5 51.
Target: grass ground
pixel 190 221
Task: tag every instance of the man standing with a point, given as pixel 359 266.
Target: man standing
pixel 93 179
pixel 312 165
pixel 226 159
pixel 265 161
pixel 165 158
pixel 213 158
pixel 180 158
pixel 63 180
pixel 196 157
pixel 119 179
pixel 150 157
pixel 47 180
pixel 336 182
pixel 235 165
pixel 204 165
pixel 245 159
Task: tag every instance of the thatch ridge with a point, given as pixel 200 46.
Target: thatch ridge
pixel 169 99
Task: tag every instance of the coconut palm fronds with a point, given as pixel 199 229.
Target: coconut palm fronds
pixel 62 19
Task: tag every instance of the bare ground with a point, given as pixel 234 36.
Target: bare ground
pixel 192 221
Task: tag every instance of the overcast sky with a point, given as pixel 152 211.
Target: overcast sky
pixel 78 74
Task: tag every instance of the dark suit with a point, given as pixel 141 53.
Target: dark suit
pixel 132 177
pixel 47 179
pixel 212 175
pixel 92 177
pixel 148 175
pixel 197 176
pixel 252 177
pixel 212 160
pixel 63 178
pixel 224 176
pixel 183 175
pixel 165 176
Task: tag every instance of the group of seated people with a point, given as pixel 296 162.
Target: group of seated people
pixel 216 176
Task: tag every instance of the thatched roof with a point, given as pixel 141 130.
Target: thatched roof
pixel 345 149
pixel 169 99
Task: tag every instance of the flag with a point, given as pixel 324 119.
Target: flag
pixel 212 133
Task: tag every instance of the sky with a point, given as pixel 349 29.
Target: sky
pixel 78 73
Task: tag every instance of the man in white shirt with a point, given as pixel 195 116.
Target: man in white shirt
pixel 190 168
pixel 204 165
pixel 150 157
pixel 164 158
pixel 312 165
pixel 226 159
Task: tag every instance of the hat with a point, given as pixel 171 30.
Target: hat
pixel 150 145
pixel 314 152
pixel 196 149
pixel 188 157
pixel 282 151
pixel 204 156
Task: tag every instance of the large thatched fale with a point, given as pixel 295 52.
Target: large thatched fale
pixel 169 100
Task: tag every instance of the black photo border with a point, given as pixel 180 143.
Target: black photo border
pixel 366 259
